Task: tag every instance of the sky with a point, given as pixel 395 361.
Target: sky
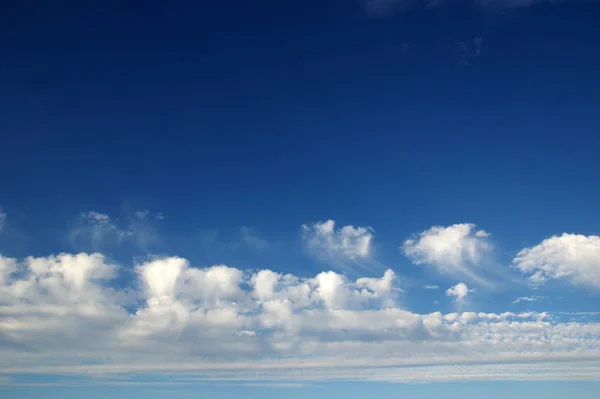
pixel 331 198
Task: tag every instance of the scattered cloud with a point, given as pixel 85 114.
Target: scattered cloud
pixel 459 291
pixel 572 257
pixel 460 249
pixel 534 298
pixel 431 287
pixel 339 246
pixel 59 315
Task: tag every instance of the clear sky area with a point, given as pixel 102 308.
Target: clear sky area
pixel 267 199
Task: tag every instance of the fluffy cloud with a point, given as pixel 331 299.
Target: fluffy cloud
pixel 459 291
pixel 59 314
pixel 346 243
pixel 572 257
pixel 458 249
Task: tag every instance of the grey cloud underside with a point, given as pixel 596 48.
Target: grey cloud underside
pixel 59 315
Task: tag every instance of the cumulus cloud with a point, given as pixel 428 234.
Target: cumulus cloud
pixel 459 291
pixel 572 257
pixel 61 314
pixel 345 244
pixel 459 249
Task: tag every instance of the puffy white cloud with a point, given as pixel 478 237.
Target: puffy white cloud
pixel 58 314
pixel 458 249
pixel 347 243
pixel 572 257
pixel 459 291
pixel 264 283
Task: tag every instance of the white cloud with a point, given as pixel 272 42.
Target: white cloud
pixel 2 219
pixel 572 257
pixel 59 314
pixel 431 287
pixel 459 291
pixel 534 298
pixel 459 249
pixel 347 243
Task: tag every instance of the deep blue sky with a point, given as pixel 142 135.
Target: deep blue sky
pixel 271 114
pixel 257 112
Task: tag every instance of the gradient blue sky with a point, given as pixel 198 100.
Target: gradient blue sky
pixel 230 133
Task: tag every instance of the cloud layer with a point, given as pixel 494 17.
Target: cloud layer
pixel 59 314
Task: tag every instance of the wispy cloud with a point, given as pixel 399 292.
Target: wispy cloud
pixel 252 239
pixel 534 298
pixel 460 250
pixel 346 247
pixel 99 231
pixel 2 219
pixel 387 7
pixel 431 287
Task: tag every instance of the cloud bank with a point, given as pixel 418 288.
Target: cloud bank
pixel 62 314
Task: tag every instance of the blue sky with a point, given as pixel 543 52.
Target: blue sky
pixel 333 197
